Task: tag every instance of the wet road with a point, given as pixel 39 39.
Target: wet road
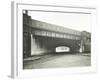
pixel 57 61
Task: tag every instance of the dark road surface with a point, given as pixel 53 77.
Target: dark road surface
pixel 57 61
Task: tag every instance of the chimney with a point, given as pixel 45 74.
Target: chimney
pixel 26 12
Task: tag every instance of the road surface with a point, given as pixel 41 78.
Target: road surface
pixel 57 61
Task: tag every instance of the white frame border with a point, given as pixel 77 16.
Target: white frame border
pixel 16 66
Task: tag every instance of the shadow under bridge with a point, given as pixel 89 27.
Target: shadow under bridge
pixel 45 45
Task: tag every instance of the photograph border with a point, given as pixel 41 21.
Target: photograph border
pixel 16 40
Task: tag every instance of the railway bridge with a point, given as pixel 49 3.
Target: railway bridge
pixel 42 38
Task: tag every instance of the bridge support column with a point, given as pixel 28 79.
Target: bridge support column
pixel 37 46
pixel 82 47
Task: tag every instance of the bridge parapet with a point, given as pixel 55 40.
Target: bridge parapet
pixel 31 23
pixel 52 27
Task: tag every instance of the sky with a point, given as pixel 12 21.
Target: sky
pixel 76 21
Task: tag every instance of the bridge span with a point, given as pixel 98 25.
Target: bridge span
pixel 42 38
